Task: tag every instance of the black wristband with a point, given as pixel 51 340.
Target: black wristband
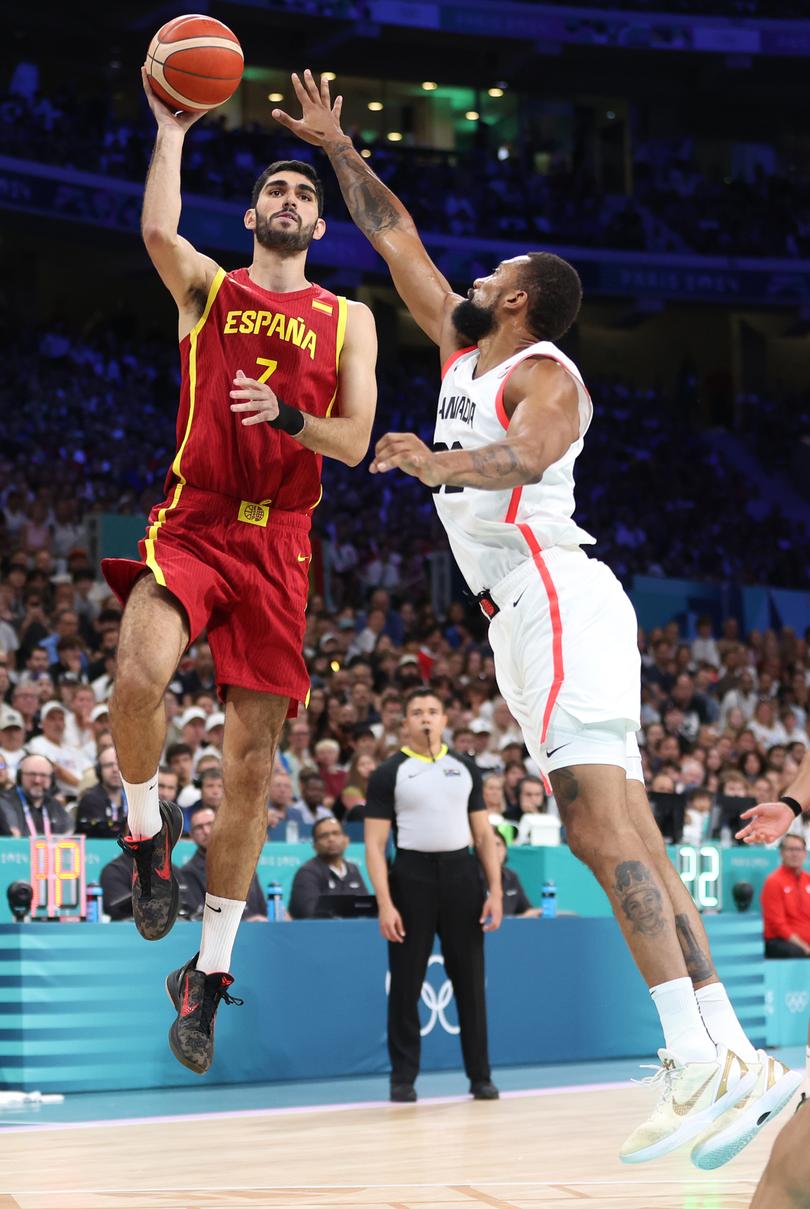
pixel 289 419
pixel 792 803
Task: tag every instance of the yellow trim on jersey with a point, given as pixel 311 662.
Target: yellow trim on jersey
pixel 414 755
pixel 339 338
pixel 151 559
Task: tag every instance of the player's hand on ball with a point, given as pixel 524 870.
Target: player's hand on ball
pixel 258 398
pixel 164 116
pixel 404 451
pixel 769 822
pixel 319 123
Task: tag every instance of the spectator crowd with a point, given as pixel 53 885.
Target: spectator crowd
pixel 760 208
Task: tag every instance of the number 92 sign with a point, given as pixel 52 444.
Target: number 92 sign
pixel 699 869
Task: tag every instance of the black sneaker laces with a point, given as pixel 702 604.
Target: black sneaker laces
pixel 214 994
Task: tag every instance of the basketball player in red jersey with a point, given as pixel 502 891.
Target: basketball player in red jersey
pixel 276 373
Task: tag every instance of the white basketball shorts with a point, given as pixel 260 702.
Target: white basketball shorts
pixel 566 657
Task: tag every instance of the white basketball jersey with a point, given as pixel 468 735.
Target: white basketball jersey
pixel 491 532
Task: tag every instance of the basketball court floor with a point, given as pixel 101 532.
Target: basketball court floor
pixel 551 1141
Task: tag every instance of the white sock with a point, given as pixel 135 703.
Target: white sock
pixel 684 1031
pixel 721 1021
pixel 221 917
pixel 143 808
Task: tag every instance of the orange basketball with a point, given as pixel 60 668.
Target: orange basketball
pixel 194 63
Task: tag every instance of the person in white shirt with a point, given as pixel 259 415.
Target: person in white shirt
pixel 12 738
pixel 486 759
pixel 765 725
pixel 704 647
pixel 743 697
pixel 69 763
pixel 79 731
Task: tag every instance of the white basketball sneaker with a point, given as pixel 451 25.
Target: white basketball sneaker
pixel 693 1096
pixel 774 1088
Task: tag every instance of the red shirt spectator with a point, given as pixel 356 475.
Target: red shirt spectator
pixel 786 902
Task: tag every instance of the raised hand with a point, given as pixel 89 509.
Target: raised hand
pixel 319 123
pixel 769 822
pixel 163 114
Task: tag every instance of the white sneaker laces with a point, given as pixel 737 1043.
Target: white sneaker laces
pixel 663 1074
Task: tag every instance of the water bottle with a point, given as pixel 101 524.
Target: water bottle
pixel 275 901
pixel 293 834
pixel 92 903
pixel 549 900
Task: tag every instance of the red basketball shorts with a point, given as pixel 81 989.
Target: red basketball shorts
pixel 241 571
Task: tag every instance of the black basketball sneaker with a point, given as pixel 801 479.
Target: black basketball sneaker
pixel 155 890
pixel 196 997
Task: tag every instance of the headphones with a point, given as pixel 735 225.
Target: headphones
pixel 25 756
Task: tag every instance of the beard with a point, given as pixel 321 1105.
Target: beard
pixel 473 322
pixel 283 241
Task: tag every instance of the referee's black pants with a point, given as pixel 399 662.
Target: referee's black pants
pixel 437 893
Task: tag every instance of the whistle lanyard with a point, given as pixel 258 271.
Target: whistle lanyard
pixel 46 822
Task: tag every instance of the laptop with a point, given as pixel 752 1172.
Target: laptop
pixel 346 906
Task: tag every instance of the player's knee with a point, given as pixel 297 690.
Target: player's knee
pixel 137 688
pixel 247 775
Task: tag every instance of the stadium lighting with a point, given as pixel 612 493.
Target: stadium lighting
pixel 394 136
pixel 375 106
pixel 472 115
pixel 327 75
pixel 366 154
pixel 429 85
pixel 495 92
pixel 275 96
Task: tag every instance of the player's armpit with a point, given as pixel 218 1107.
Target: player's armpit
pixel 345 434
pixel 186 273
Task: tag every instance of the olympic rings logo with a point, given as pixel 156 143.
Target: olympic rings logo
pixel 797 1001
pixel 437 1001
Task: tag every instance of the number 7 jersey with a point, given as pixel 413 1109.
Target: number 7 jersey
pixel 290 341
pixel 491 532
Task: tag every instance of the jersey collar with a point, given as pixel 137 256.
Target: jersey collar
pixel 415 755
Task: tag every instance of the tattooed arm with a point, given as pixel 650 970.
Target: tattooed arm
pixel 377 211
pixel 544 423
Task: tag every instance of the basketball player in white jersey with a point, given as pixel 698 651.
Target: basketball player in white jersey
pixel 513 412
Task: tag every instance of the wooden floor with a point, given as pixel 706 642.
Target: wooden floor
pixel 556 1149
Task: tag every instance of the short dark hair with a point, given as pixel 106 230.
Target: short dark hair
pixel 289 166
pixel 555 294
pixel 416 693
pixel 210 774
pixel 792 835
pixel 327 818
pixel 309 774
pixel 177 749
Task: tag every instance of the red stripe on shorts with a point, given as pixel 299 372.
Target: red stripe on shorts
pixel 556 626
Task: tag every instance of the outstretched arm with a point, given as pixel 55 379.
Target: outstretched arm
pixel 771 820
pixel 544 422
pixel 377 211
pixel 185 272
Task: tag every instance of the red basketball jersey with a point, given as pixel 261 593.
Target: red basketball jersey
pixel 291 341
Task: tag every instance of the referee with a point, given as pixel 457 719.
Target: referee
pixel 433 799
